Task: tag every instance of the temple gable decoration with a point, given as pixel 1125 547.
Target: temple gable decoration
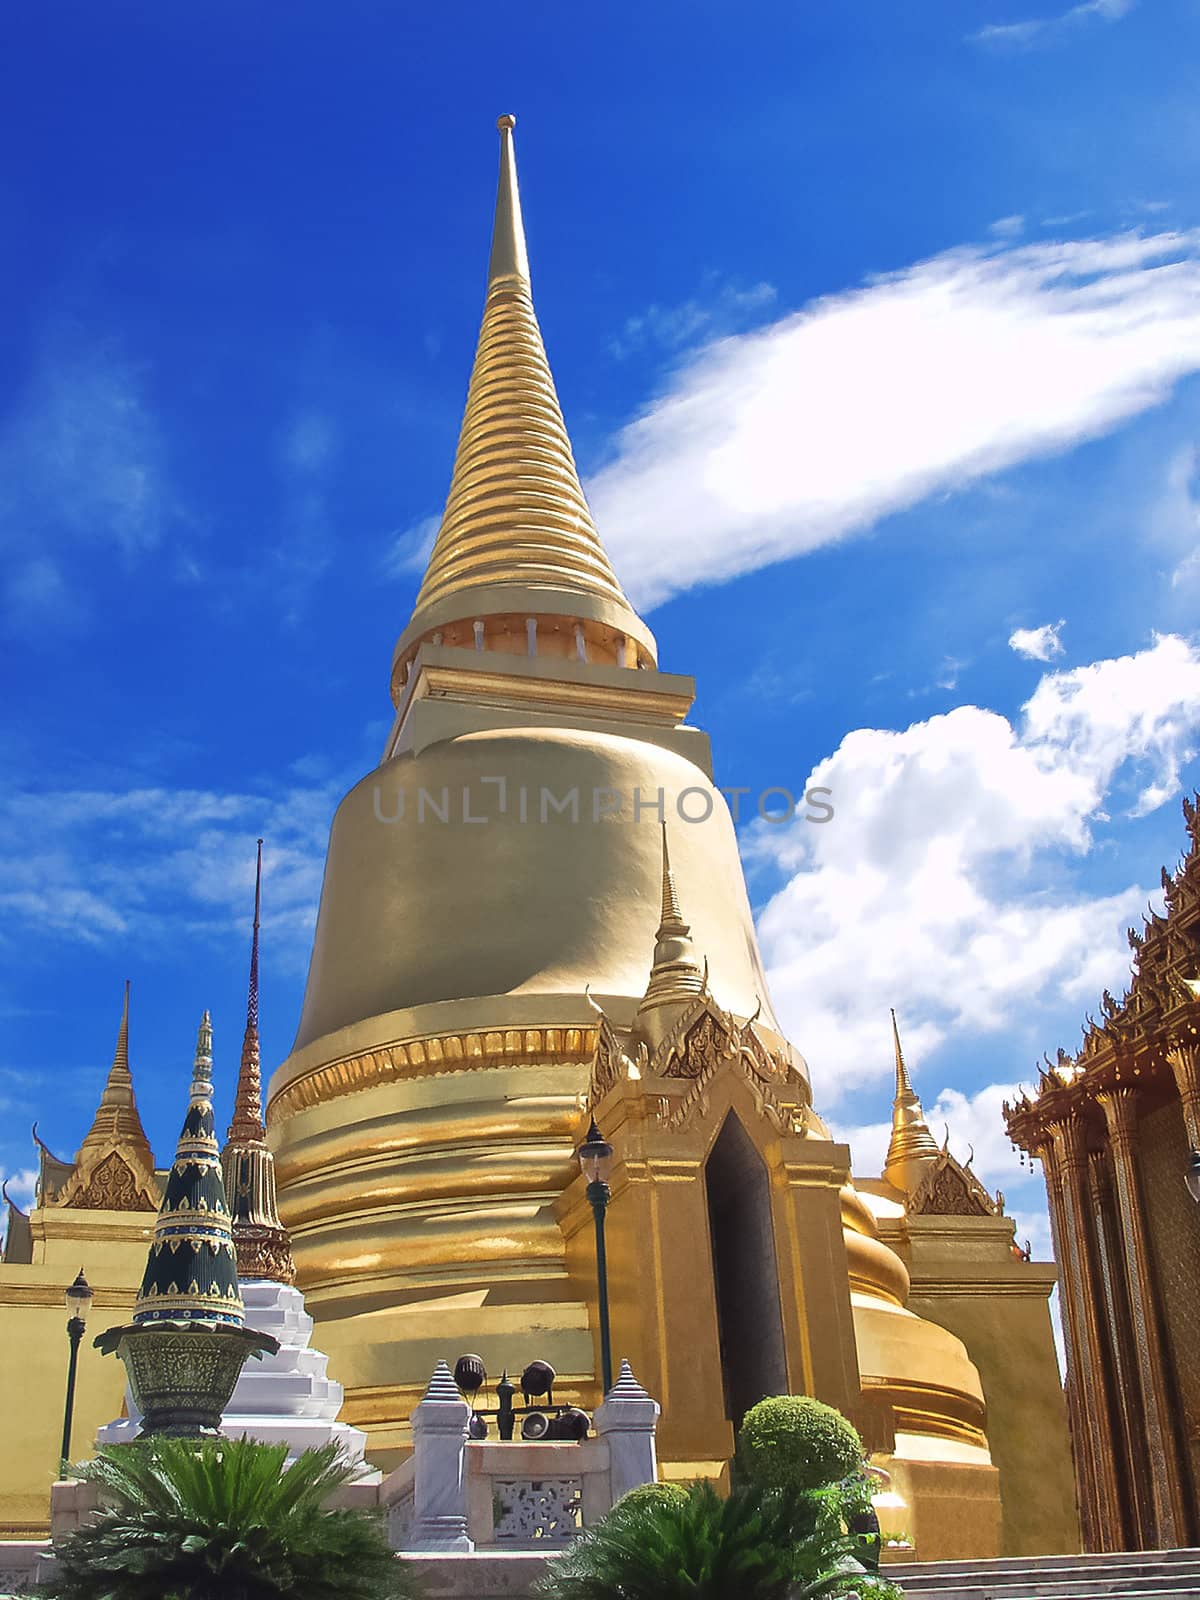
pixel 950 1189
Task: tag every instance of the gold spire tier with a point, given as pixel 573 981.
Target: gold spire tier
pixel 517 544
pixel 912 1147
pixel 676 977
pixel 259 1237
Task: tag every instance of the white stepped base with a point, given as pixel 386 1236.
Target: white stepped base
pixel 287 1398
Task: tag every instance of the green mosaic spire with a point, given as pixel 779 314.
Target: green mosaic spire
pixel 191 1273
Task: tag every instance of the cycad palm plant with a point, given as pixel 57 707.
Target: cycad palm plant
pixel 223 1520
pixel 752 1545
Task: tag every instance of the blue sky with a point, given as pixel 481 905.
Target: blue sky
pixel 877 331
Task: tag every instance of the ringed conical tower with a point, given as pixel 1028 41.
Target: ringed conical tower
pixel 191 1271
pixel 502 863
pixel 485 966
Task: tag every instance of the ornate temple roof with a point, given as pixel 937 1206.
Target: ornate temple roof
pixel 191 1270
pixel 1150 1038
pixel 259 1237
pixel 516 535
pixel 114 1167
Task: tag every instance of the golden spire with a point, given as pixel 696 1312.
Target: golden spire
pixel 260 1238
pixel 516 538
pixel 117 1120
pixel 912 1146
pixel 676 977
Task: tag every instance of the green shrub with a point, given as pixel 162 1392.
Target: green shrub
pixel 651 1495
pixel 795 1443
pixel 693 1545
pixel 223 1519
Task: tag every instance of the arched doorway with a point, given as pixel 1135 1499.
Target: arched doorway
pixel 745 1271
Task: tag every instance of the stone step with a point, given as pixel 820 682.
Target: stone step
pixel 1149 1573
pixel 1075 1562
pixel 1137 1591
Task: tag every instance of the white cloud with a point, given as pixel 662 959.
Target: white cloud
pixel 718 309
pixel 81 463
pixel 409 550
pixel 1042 30
pixel 93 865
pixel 944 886
pixel 772 443
pixel 20 1186
pixel 1038 644
pixel 1007 227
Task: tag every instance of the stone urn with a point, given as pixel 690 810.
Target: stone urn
pixel 182 1374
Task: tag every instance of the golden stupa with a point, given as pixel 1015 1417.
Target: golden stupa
pixel 534 912
pixel 505 947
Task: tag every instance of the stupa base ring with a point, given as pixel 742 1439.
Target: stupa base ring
pixel 182 1375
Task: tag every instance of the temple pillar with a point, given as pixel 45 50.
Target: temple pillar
pixel 1104 1518
pixel 1183 1055
pixel 1134 1470
pixel 1073 1381
pixel 1158 1423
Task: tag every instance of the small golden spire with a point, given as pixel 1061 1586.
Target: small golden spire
pixel 117 1120
pixel 912 1146
pixel 509 258
pixel 676 977
pixel 671 917
pixel 263 1247
pixel 516 538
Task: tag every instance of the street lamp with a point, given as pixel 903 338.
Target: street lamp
pixel 595 1158
pixel 79 1303
pixel 1192 1176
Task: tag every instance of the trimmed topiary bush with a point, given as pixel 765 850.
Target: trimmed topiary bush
pixel 651 1496
pixel 797 1444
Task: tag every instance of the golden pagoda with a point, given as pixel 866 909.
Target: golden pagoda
pixel 534 912
pixel 97 1212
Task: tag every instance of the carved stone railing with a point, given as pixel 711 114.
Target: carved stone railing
pixel 457 1494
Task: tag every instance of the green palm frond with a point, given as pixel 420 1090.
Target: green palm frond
pixel 702 1548
pixel 223 1520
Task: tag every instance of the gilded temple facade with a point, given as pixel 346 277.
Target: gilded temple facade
pixel 534 911
pixel 1113 1127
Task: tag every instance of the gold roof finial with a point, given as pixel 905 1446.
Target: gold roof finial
pixel 117 1120
pixel 509 258
pixel 676 977
pixel 516 538
pixel 912 1146
pixel 263 1247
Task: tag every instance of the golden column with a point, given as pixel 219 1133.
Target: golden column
pixel 1093 1455
pixel 1183 1055
pixel 1073 1385
pixel 1139 1520
pixel 1166 1468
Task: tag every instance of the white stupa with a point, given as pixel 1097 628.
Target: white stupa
pixel 287 1398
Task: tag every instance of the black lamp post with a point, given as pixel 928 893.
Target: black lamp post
pixel 595 1158
pixel 79 1303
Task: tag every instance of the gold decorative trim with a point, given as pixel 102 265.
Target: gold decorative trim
pixel 432 1056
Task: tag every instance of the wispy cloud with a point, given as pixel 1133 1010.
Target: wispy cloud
pixel 1038 644
pixel 719 308
pixel 82 464
pixel 87 866
pixel 1043 30
pixel 772 443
